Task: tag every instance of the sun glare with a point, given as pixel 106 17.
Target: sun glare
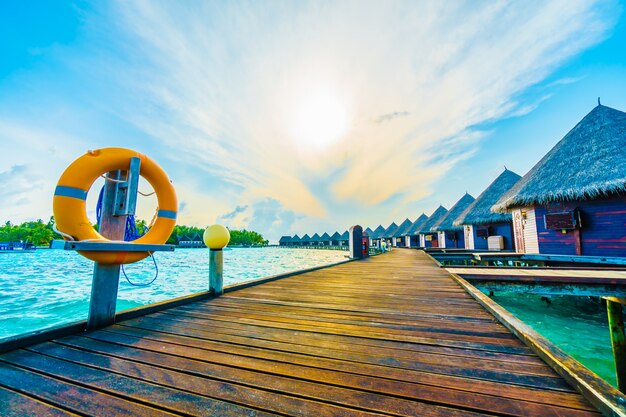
pixel 319 120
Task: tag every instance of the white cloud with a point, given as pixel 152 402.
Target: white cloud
pixel 222 78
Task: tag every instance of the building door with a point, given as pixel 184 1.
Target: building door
pixel 518 231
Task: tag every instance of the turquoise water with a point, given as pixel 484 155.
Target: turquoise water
pixel 577 325
pixel 51 287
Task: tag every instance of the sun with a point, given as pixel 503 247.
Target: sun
pixel 319 120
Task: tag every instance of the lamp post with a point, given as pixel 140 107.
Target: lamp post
pixel 216 237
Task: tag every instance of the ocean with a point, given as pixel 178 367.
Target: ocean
pixel 49 287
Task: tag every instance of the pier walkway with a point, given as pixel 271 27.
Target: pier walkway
pixel 390 335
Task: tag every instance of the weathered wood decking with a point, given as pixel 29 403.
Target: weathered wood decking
pixel 392 335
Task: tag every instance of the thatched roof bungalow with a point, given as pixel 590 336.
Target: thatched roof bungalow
pixel 397 239
pixel 315 240
pixel 389 231
pixel 574 200
pixel 377 232
pixel 449 235
pixel 411 235
pixel 335 238
pixel 295 241
pixel 305 241
pixel 479 222
pixel 284 241
pixel 428 239
pixel 325 239
pixel 375 236
pixel 345 238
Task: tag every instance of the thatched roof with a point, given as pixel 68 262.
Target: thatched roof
pixel 479 212
pixel 377 232
pixel 325 237
pixel 345 235
pixel 445 224
pixel 295 239
pixel 305 238
pixel 389 232
pixel 432 220
pixel 368 231
pixel 589 162
pixel 336 236
pixel 415 227
pixel 284 239
pixel 404 226
pixel 316 238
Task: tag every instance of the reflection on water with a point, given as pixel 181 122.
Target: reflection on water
pixel 577 325
pixel 50 287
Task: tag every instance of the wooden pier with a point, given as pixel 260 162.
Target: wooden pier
pixel 390 335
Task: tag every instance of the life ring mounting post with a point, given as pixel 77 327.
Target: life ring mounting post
pixel 106 247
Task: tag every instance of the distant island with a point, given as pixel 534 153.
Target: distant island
pixel 41 233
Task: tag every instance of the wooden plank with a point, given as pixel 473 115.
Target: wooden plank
pixel 372 356
pixel 571 400
pixel 166 370
pixel 135 391
pixel 15 404
pixel 292 364
pixel 70 396
pixel 335 393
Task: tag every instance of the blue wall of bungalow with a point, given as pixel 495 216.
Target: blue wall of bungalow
pixel 455 240
pixel 495 229
pixel 603 231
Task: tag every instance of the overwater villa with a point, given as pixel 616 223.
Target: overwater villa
pixel 305 241
pixel 335 239
pixel 448 234
pixel 345 236
pixel 411 235
pixel 295 241
pixel 375 236
pixel 315 240
pixel 573 201
pixel 325 239
pixel 427 238
pixel 479 222
pixel 285 241
pixel 389 231
pixel 398 237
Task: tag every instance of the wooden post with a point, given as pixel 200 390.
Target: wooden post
pixel 618 341
pixel 216 271
pixel 106 277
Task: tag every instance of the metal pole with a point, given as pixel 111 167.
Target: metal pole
pixel 618 341
pixel 216 271
pixel 106 277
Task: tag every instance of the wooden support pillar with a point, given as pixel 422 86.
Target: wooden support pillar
pixel 216 271
pixel 106 277
pixel 618 340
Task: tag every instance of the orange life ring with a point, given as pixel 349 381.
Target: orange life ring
pixel 69 203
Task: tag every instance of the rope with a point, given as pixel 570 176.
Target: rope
pixel 156 275
pixel 65 235
pixel 130 233
pixel 130 228
pixel 112 179
pixel 120 181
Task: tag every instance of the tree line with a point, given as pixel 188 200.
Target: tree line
pixel 41 233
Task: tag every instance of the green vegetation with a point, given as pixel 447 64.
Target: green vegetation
pixel 40 233
pixel 237 237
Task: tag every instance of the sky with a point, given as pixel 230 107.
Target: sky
pixel 299 117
